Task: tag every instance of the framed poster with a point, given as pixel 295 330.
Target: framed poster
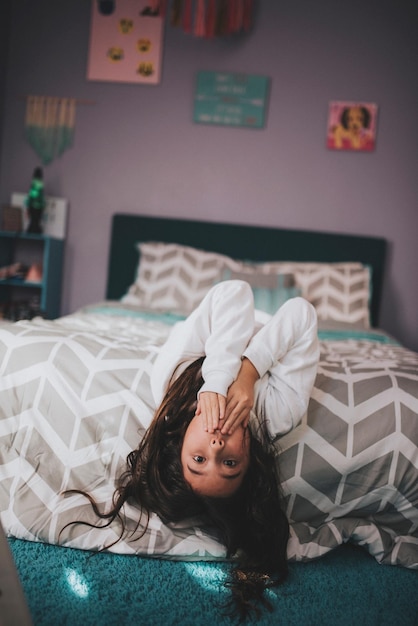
pixel 352 126
pixel 125 42
pixel 231 99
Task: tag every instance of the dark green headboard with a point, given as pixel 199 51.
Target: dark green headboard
pixel 254 243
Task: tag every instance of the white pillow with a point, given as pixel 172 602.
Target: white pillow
pixel 270 290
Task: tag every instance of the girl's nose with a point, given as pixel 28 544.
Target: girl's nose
pixel 217 442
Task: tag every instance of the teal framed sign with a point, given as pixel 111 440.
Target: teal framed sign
pixel 231 99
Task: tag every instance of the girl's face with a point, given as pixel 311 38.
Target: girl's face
pixel 214 464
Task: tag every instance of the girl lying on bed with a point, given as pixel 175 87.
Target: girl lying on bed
pixel 227 387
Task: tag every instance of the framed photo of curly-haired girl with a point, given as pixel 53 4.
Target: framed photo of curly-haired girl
pixel 352 126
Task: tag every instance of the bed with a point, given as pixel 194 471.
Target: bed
pixel 75 394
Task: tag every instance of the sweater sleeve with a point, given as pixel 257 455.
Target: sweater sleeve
pixel 285 352
pixel 219 329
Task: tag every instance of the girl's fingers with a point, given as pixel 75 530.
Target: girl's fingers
pixel 222 406
pixel 211 407
pixel 237 417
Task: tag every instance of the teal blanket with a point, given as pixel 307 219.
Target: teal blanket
pixel 325 334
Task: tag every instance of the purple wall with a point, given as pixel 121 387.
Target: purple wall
pixel 5 8
pixel 137 149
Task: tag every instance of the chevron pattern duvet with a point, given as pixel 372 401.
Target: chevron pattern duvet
pixel 74 399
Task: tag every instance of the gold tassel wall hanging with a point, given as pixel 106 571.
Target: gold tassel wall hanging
pixel 66 125
pixel 49 125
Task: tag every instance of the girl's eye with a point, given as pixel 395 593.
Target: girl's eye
pixel 198 458
pixel 230 463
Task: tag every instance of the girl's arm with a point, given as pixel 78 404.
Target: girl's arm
pixel 219 329
pixel 285 353
pixel 240 399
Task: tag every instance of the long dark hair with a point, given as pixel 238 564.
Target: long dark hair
pixel 251 523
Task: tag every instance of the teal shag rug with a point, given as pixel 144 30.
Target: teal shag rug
pixel 67 587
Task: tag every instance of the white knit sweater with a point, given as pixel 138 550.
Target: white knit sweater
pixel 225 328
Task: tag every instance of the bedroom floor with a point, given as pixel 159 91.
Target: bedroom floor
pixel 69 587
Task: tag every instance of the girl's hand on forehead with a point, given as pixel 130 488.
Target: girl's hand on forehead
pixel 211 406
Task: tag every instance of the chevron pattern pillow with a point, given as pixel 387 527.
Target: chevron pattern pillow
pixel 338 291
pixel 173 277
